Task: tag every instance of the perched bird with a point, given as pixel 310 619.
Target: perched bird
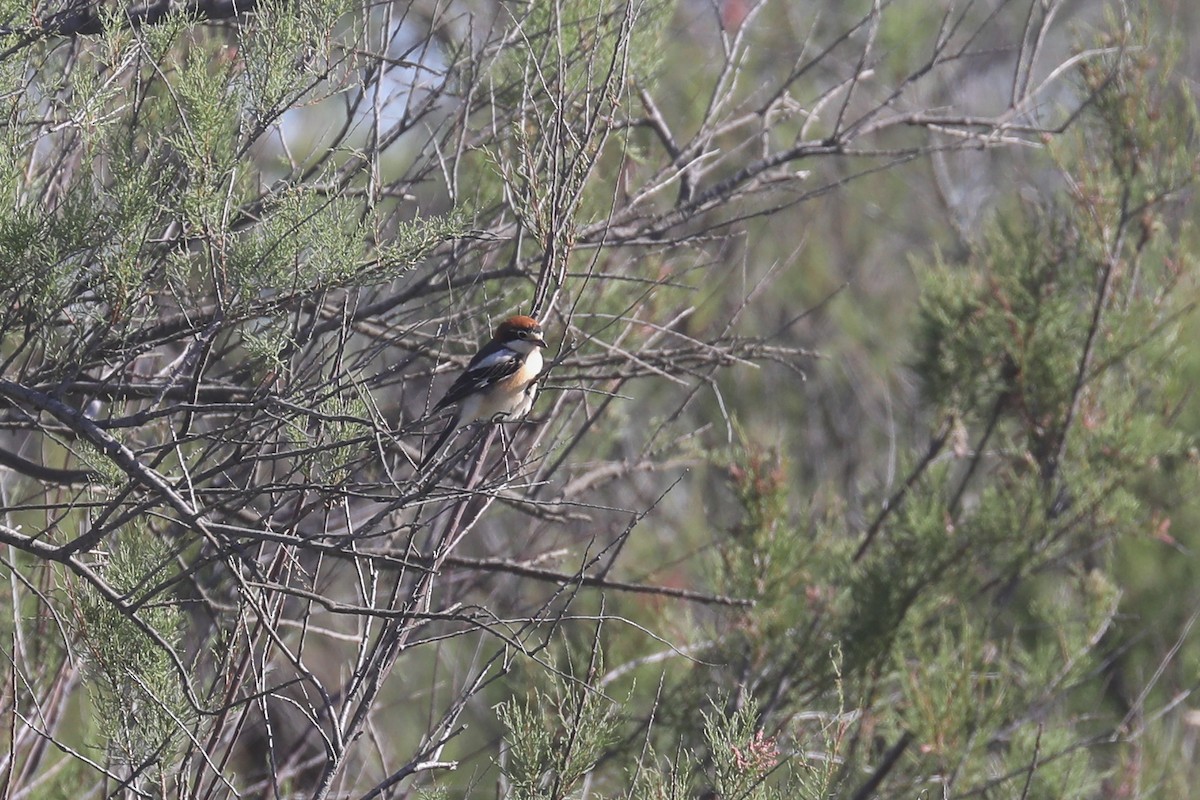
pixel 500 380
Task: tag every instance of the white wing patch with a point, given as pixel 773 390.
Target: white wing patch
pixel 493 360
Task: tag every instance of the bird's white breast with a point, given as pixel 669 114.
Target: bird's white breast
pixel 512 396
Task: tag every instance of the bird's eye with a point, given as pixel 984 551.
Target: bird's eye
pixel 523 334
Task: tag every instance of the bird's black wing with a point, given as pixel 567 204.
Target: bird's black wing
pixel 490 365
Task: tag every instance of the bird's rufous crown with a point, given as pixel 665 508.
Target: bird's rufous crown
pixel 517 323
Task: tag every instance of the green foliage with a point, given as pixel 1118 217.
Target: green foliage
pixel 742 755
pixel 140 708
pixel 663 778
pixel 305 243
pixel 338 439
pixel 985 594
pixel 130 212
pixel 1050 345
pixel 109 476
pixel 286 52
pixel 308 243
pixel 203 132
pixel 266 344
pixel 433 793
pixel 1027 294
pixel 793 576
pixel 411 242
pixel 43 251
pixel 555 738
pixel 743 761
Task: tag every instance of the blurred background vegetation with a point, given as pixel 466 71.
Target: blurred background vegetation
pixel 867 465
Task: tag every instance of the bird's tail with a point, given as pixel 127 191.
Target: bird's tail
pixel 432 452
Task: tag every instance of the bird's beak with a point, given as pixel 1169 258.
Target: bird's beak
pixel 539 341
